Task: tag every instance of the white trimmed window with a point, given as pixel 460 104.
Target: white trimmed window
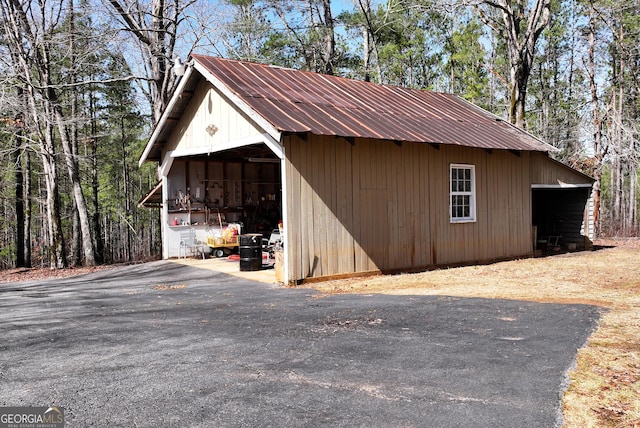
pixel 462 201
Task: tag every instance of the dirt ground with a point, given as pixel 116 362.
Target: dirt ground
pixel 604 387
pixel 35 274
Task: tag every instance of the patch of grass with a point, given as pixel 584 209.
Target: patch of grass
pixel 604 389
pixel 605 386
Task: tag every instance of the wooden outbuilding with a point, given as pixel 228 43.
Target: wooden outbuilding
pixel 363 177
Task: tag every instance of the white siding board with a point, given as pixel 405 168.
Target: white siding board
pixel 208 107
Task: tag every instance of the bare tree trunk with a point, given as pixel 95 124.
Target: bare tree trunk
pixel 126 194
pixel 371 44
pixel 157 33
pixel 620 136
pixel 619 189
pixel 70 157
pixel 19 190
pixel 95 186
pixel 616 164
pixel 543 117
pixel 598 150
pixel 78 195
pixel 329 51
pixel 76 231
pixel 521 43
pixel 366 55
pixel 27 215
pixel 43 242
pixel 75 251
pixel 492 77
pixel 18 27
pixel 633 199
pixel 57 254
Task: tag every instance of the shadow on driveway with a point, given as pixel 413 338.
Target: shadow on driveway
pixel 163 344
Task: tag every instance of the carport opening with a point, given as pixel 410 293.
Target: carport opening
pixel 560 218
pixel 213 193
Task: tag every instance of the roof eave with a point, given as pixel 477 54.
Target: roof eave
pixel 544 147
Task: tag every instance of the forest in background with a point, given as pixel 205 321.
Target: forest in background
pixel 83 81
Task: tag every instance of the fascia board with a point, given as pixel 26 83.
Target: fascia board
pixel 547 147
pixel 562 185
pixel 254 139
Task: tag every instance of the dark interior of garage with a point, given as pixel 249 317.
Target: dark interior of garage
pixel 559 218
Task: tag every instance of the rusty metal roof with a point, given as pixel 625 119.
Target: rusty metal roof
pixel 298 102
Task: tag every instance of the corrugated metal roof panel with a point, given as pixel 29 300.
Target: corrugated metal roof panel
pixel 298 101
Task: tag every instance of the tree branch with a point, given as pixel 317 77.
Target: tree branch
pixel 90 82
pixel 131 22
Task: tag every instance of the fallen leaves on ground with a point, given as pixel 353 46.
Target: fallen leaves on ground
pixel 43 273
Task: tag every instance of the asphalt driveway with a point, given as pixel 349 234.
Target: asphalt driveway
pixel 164 345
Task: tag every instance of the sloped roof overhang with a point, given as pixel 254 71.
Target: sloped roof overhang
pixel 178 102
pixel 281 100
pixel 169 118
pixel 294 101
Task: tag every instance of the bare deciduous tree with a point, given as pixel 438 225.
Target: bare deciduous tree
pixel 520 26
pixel 155 26
pixel 32 40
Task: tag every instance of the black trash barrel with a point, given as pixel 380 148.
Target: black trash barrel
pixel 250 252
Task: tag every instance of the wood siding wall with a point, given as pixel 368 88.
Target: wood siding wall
pixel 379 206
pixel 208 107
pixel 550 172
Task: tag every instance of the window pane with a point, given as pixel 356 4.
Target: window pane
pixel 462 192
